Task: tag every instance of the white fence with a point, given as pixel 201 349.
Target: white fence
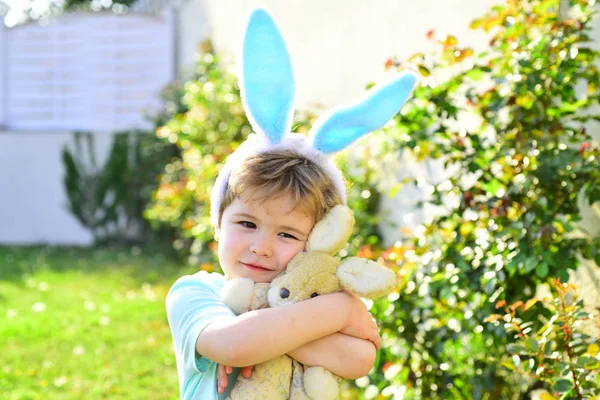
pixel 92 71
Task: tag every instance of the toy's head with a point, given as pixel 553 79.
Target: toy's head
pixel 317 272
pixel 267 88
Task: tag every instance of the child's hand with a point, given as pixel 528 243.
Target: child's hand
pixel 359 322
pixel 224 370
pixel 247 371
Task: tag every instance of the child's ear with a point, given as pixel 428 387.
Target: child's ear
pixel 217 233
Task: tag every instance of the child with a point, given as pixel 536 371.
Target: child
pixel 269 209
pixel 268 196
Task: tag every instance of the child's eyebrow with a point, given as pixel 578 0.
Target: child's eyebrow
pixel 243 215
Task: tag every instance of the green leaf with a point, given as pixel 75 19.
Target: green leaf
pixel 562 385
pixel 398 186
pixel 530 264
pixel 515 348
pixel 563 275
pixel 542 270
pixel 508 365
pixel 582 361
pixel 587 251
pixel 492 186
pixel 593 365
pixel 476 23
pixel 476 74
pixel 395 189
pixel 532 344
pixel 423 70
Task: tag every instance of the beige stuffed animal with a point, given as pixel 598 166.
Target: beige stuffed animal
pixel 309 274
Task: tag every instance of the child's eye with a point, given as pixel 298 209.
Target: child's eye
pixel 247 224
pixel 288 236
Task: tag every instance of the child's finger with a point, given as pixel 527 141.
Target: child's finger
pixel 228 369
pixel 224 382
pixel 247 371
pixel 376 336
pixel 221 379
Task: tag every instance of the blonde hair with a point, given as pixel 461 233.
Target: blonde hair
pixel 279 172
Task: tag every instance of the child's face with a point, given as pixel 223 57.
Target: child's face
pixel 257 240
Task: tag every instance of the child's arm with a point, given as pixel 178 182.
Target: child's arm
pixel 261 335
pixel 343 355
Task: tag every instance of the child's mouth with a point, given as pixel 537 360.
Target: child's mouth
pixel 256 268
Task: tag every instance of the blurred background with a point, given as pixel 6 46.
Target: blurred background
pixel 483 193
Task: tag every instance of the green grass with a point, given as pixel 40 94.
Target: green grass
pixel 85 323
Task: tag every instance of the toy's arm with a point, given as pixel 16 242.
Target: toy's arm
pixel 243 295
pixel 343 355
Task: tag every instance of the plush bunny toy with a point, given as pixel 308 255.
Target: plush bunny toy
pixel 309 274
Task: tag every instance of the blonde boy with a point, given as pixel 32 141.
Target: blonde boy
pixel 271 204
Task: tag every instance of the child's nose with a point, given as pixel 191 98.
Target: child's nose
pixel 262 245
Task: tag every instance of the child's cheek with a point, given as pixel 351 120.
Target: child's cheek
pixel 292 250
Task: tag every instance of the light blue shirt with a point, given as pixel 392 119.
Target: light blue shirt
pixel 192 303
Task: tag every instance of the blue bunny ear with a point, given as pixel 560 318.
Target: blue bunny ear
pixel 267 79
pixel 339 128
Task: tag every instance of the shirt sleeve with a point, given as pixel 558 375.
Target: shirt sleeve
pixel 192 303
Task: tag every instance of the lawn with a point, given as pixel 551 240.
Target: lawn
pixel 85 323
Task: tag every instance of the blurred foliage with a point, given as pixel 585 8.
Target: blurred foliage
pixel 550 346
pixel 510 198
pixel 119 6
pixel 110 199
pixel 31 10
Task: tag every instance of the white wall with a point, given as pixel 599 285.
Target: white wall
pixel 193 26
pixel 2 71
pixel 338 46
pixel 33 203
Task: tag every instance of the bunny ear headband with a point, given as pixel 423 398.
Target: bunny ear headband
pixel 267 88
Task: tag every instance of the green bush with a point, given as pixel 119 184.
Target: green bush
pixel 110 199
pixel 550 347
pixel 513 188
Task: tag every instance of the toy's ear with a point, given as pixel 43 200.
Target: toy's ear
pixel 267 79
pixel 330 234
pixel 366 278
pixel 343 125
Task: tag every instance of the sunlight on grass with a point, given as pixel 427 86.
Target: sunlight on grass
pixel 85 324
